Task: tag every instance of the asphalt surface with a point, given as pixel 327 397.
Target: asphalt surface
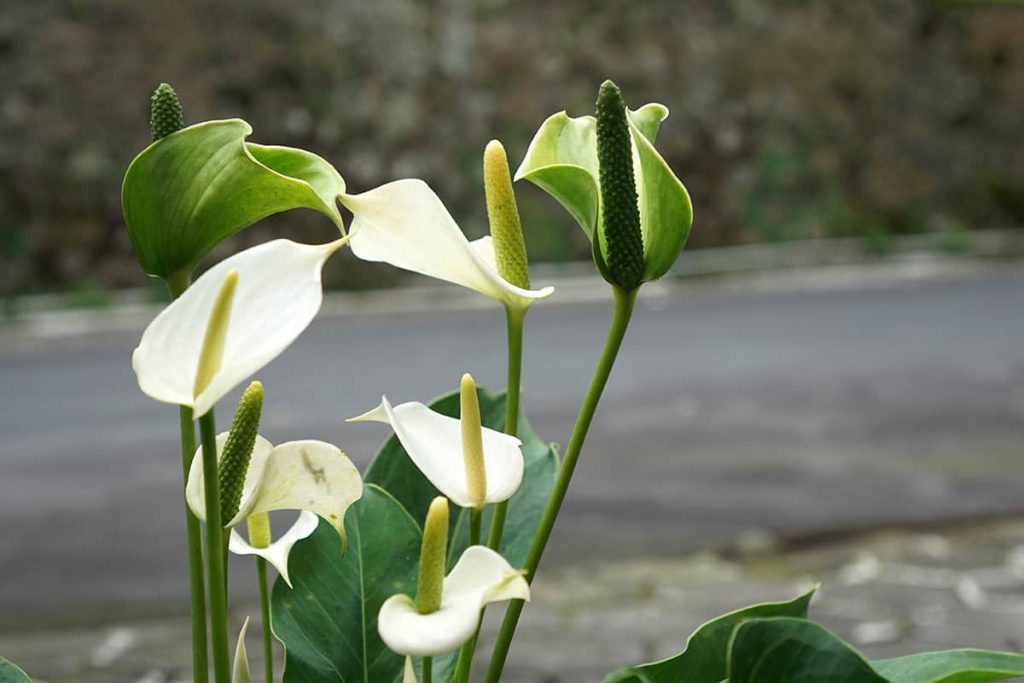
pixel 732 416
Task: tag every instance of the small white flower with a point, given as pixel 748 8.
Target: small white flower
pixel 312 476
pixel 404 223
pixel 481 576
pixel 434 443
pixel 278 294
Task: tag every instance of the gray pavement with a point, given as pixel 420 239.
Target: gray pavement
pixel 735 414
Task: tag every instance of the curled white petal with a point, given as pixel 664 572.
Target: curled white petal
pixel 240 671
pixel 405 224
pixel 308 475
pixel 434 443
pixel 277 552
pixel 481 576
pixel 195 487
pixel 409 673
pixel 279 293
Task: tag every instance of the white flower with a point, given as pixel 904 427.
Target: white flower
pixel 481 576
pixel 405 224
pixel 278 294
pixel 434 443
pixel 312 476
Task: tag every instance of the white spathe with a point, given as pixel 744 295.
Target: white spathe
pixel 311 476
pixel 406 224
pixel 434 444
pixel 278 294
pixel 481 576
pixel 277 552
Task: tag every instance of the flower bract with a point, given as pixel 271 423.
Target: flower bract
pixel 311 476
pixel 278 294
pixel 434 443
pixel 404 223
pixel 481 576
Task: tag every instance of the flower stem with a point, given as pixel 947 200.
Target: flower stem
pixel 197 592
pixel 624 301
pixel 268 647
pixel 214 553
pixel 514 318
pixel 428 669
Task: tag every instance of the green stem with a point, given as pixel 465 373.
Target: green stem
pixel 514 318
pixel 624 301
pixel 214 554
pixel 197 592
pixel 268 647
pixel 428 669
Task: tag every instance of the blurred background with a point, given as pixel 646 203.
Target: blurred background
pixel 829 387
pixel 791 119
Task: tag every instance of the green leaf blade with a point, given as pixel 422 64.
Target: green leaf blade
pixel 328 622
pixel 773 649
pixel 10 673
pixel 705 658
pixel 952 666
pixel 187 192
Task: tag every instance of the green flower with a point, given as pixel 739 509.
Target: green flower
pixel 584 163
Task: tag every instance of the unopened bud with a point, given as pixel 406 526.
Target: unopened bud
pixel 503 215
pixel 212 351
pixel 234 461
pixel 472 441
pixel 165 112
pixel 433 557
pixel 624 248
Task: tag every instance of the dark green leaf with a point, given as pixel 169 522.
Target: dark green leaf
pixel 9 673
pixel 794 650
pixel 188 191
pixel 328 622
pixel 705 658
pixel 952 666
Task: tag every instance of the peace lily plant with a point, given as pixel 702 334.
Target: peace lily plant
pixel 380 579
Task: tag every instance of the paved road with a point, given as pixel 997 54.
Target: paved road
pixel 731 413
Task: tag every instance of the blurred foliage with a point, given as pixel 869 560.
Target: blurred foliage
pixel 790 118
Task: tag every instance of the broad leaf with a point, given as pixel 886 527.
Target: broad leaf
pixel 704 660
pixel 796 651
pixel 9 673
pixel 188 191
pixel 952 666
pixel 328 622
pixel 392 470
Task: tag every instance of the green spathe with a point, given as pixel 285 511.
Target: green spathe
pixel 188 191
pixel 563 161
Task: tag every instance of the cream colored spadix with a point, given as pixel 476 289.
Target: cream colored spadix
pixel 481 576
pixel 472 442
pixel 224 328
pixel 404 223
pixel 434 443
pixel 312 476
